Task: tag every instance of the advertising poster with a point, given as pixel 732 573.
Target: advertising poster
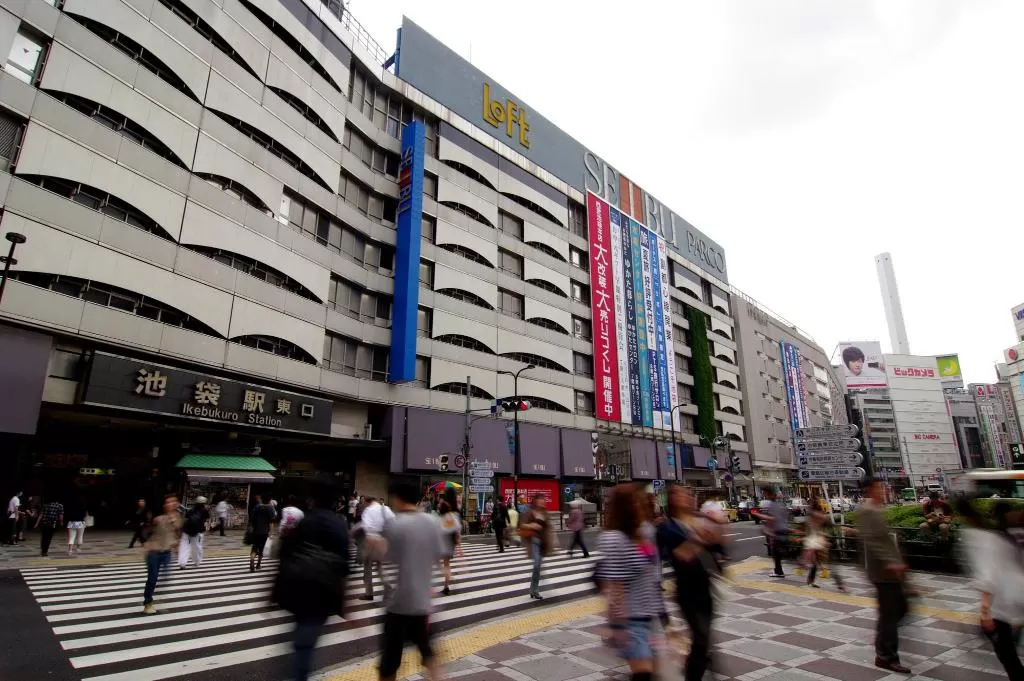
pixel 659 334
pixel 793 377
pixel 631 345
pixel 641 324
pixel 602 295
pixel 670 353
pixel 649 319
pixel 862 364
pixel 625 400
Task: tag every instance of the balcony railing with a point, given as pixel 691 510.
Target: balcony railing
pixel 338 9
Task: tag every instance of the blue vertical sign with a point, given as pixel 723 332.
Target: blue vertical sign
pixel 792 374
pixel 402 365
pixel 659 323
pixel 632 351
pixel 641 324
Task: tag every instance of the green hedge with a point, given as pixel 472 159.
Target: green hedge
pixel 912 515
pixel 703 377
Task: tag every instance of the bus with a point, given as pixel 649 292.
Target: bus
pixel 993 482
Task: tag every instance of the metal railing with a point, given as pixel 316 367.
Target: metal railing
pixel 338 9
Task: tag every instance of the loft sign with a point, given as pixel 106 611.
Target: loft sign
pixel 121 382
pixel 508 113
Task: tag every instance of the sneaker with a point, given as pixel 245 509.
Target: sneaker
pixel 777 575
pixel 149 609
pixel 446 591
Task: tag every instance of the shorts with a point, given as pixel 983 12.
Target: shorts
pixel 259 542
pixel 637 644
pixel 76 532
pixel 397 630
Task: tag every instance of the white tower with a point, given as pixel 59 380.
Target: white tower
pixel 891 301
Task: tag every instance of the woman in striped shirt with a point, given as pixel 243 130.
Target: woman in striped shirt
pixel 629 580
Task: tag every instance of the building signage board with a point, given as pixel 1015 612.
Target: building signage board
pixel 125 383
pixel 828 474
pixel 482 472
pixel 633 356
pixel 863 365
pixel 405 306
pixel 829 459
pixel 841 444
pixel 479 489
pixel 825 432
pixel 793 375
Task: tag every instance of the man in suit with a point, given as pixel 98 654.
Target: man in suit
pixel 887 572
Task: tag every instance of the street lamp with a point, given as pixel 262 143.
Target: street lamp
pixel 515 418
pixel 672 427
pixel 8 260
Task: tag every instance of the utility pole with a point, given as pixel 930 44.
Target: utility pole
pixel 515 429
pixel 465 444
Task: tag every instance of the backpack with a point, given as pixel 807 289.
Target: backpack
pixel 193 522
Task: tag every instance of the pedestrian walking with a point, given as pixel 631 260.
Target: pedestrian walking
pixel 261 523
pixel 690 541
pixel 451 529
pixel 353 504
pixel 139 522
pixel 76 513
pixel 412 542
pixel 50 518
pixel 887 572
pixel 12 517
pixel 537 535
pixel 291 516
pixel 29 515
pixel 221 510
pixel 775 517
pixel 576 525
pixel 371 523
pixel 165 531
pixel 310 582
pixel 192 532
pixel 815 548
pixel 995 564
pixel 629 580
pixel 500 522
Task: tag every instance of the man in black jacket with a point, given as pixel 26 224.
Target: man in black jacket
pixel 500 522
pixel 140 521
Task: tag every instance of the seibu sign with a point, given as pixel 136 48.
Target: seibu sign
pixel 913 372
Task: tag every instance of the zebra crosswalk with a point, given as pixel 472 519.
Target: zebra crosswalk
pixel 216 622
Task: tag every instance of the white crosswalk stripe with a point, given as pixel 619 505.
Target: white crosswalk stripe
pixel 216 621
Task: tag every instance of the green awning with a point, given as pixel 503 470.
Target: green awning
pixel 225 462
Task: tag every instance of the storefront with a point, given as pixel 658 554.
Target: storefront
pixel 235 479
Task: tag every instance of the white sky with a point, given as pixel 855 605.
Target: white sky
pixel 805 136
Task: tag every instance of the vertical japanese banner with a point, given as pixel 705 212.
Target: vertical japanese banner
pixel 602 297
pixel 641 324
pixel 631 345
pixel 670 352
pixel 652 329
pixel 793 376
pixel 625 407
pixel 659 325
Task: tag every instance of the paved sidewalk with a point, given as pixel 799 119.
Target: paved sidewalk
pixel 102 546
pixel 765 629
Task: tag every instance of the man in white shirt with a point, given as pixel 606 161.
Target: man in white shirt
pixel 372 525
pixel 13 513
pixel 222 514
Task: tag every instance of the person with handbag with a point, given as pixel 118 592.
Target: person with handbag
pixel 310 581
pixel 78 519
pixel 451 529
pixel 261 523
pixel 887 571
pixel 538 537
pixel 371 524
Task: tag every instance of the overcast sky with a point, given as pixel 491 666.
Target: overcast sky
pixel 805 136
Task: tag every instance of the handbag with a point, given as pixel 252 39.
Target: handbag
pixel 247 537
pixel 89 520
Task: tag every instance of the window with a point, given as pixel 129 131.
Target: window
pixel 422 372
pixel 533 207
pixel 236 190
pixel 112 296
pixel 547 286
pixel 354 301
pixel 309 114
pixel 547 324
pixel 256 269
pixel 424 321
pixel 275 148
pixel 101 201
pixel 120 124
pixel 460 389
pixel 276 346
pixel 547 250
pixel 579 259
pixel 578 219
pixel 428 228
pixel 471 213
pixel 466 253
pixel 536 360
pixel 580 292
pixel 584 403
pixel 427 273
pixel 678 307
pixel 292 42
pixel 430 185
pixel 510 262
pixel 510 224
pixel 583 365
pixel 465 296
pixel 387 110
pixel 186 14
pixel 12 128
pixel 349 356
pixel 544 403
pixel 581 328
pixel 470 173
pixel 682 364
pixel 465 342
pixel 26 58
pixel 510 303
pixel 369 153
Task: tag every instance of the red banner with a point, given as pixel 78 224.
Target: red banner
pixel 529 488
pixel 602 299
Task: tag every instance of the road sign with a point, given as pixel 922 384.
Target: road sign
pixel 479 481
pixel 712 464
pixel 460 460
pixel 477 489
pixel 939 469
pixel 841 444
pixel 823 432
pixel 481 472
pixel 478 463
pixel 826 474
pixel 727 477
pixel 829 459
pixel 567 491
pixel 658 484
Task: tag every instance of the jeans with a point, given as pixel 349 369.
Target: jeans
pixel 155 562
pixel 45 537
pixel 892 607
pixel 698 615
pixel 537 553
pixel 307 630
pixel 577 540
pixel 1004 642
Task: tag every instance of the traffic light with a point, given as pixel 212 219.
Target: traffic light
pixel 442 463
pixel 735 463
pixel 515 405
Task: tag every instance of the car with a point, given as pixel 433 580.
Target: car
pixel 841 505
pixel 720 510
pixel 762 507
pixel 744 508
pixel 798 506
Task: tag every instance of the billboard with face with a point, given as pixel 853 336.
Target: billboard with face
pixel 862 364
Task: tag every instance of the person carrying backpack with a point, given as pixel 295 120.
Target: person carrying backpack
pixel 192 531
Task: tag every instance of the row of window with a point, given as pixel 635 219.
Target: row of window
pixel 255 268
pixel 359 303
pixel 354 358
pixel 327 231
pixel 388 111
